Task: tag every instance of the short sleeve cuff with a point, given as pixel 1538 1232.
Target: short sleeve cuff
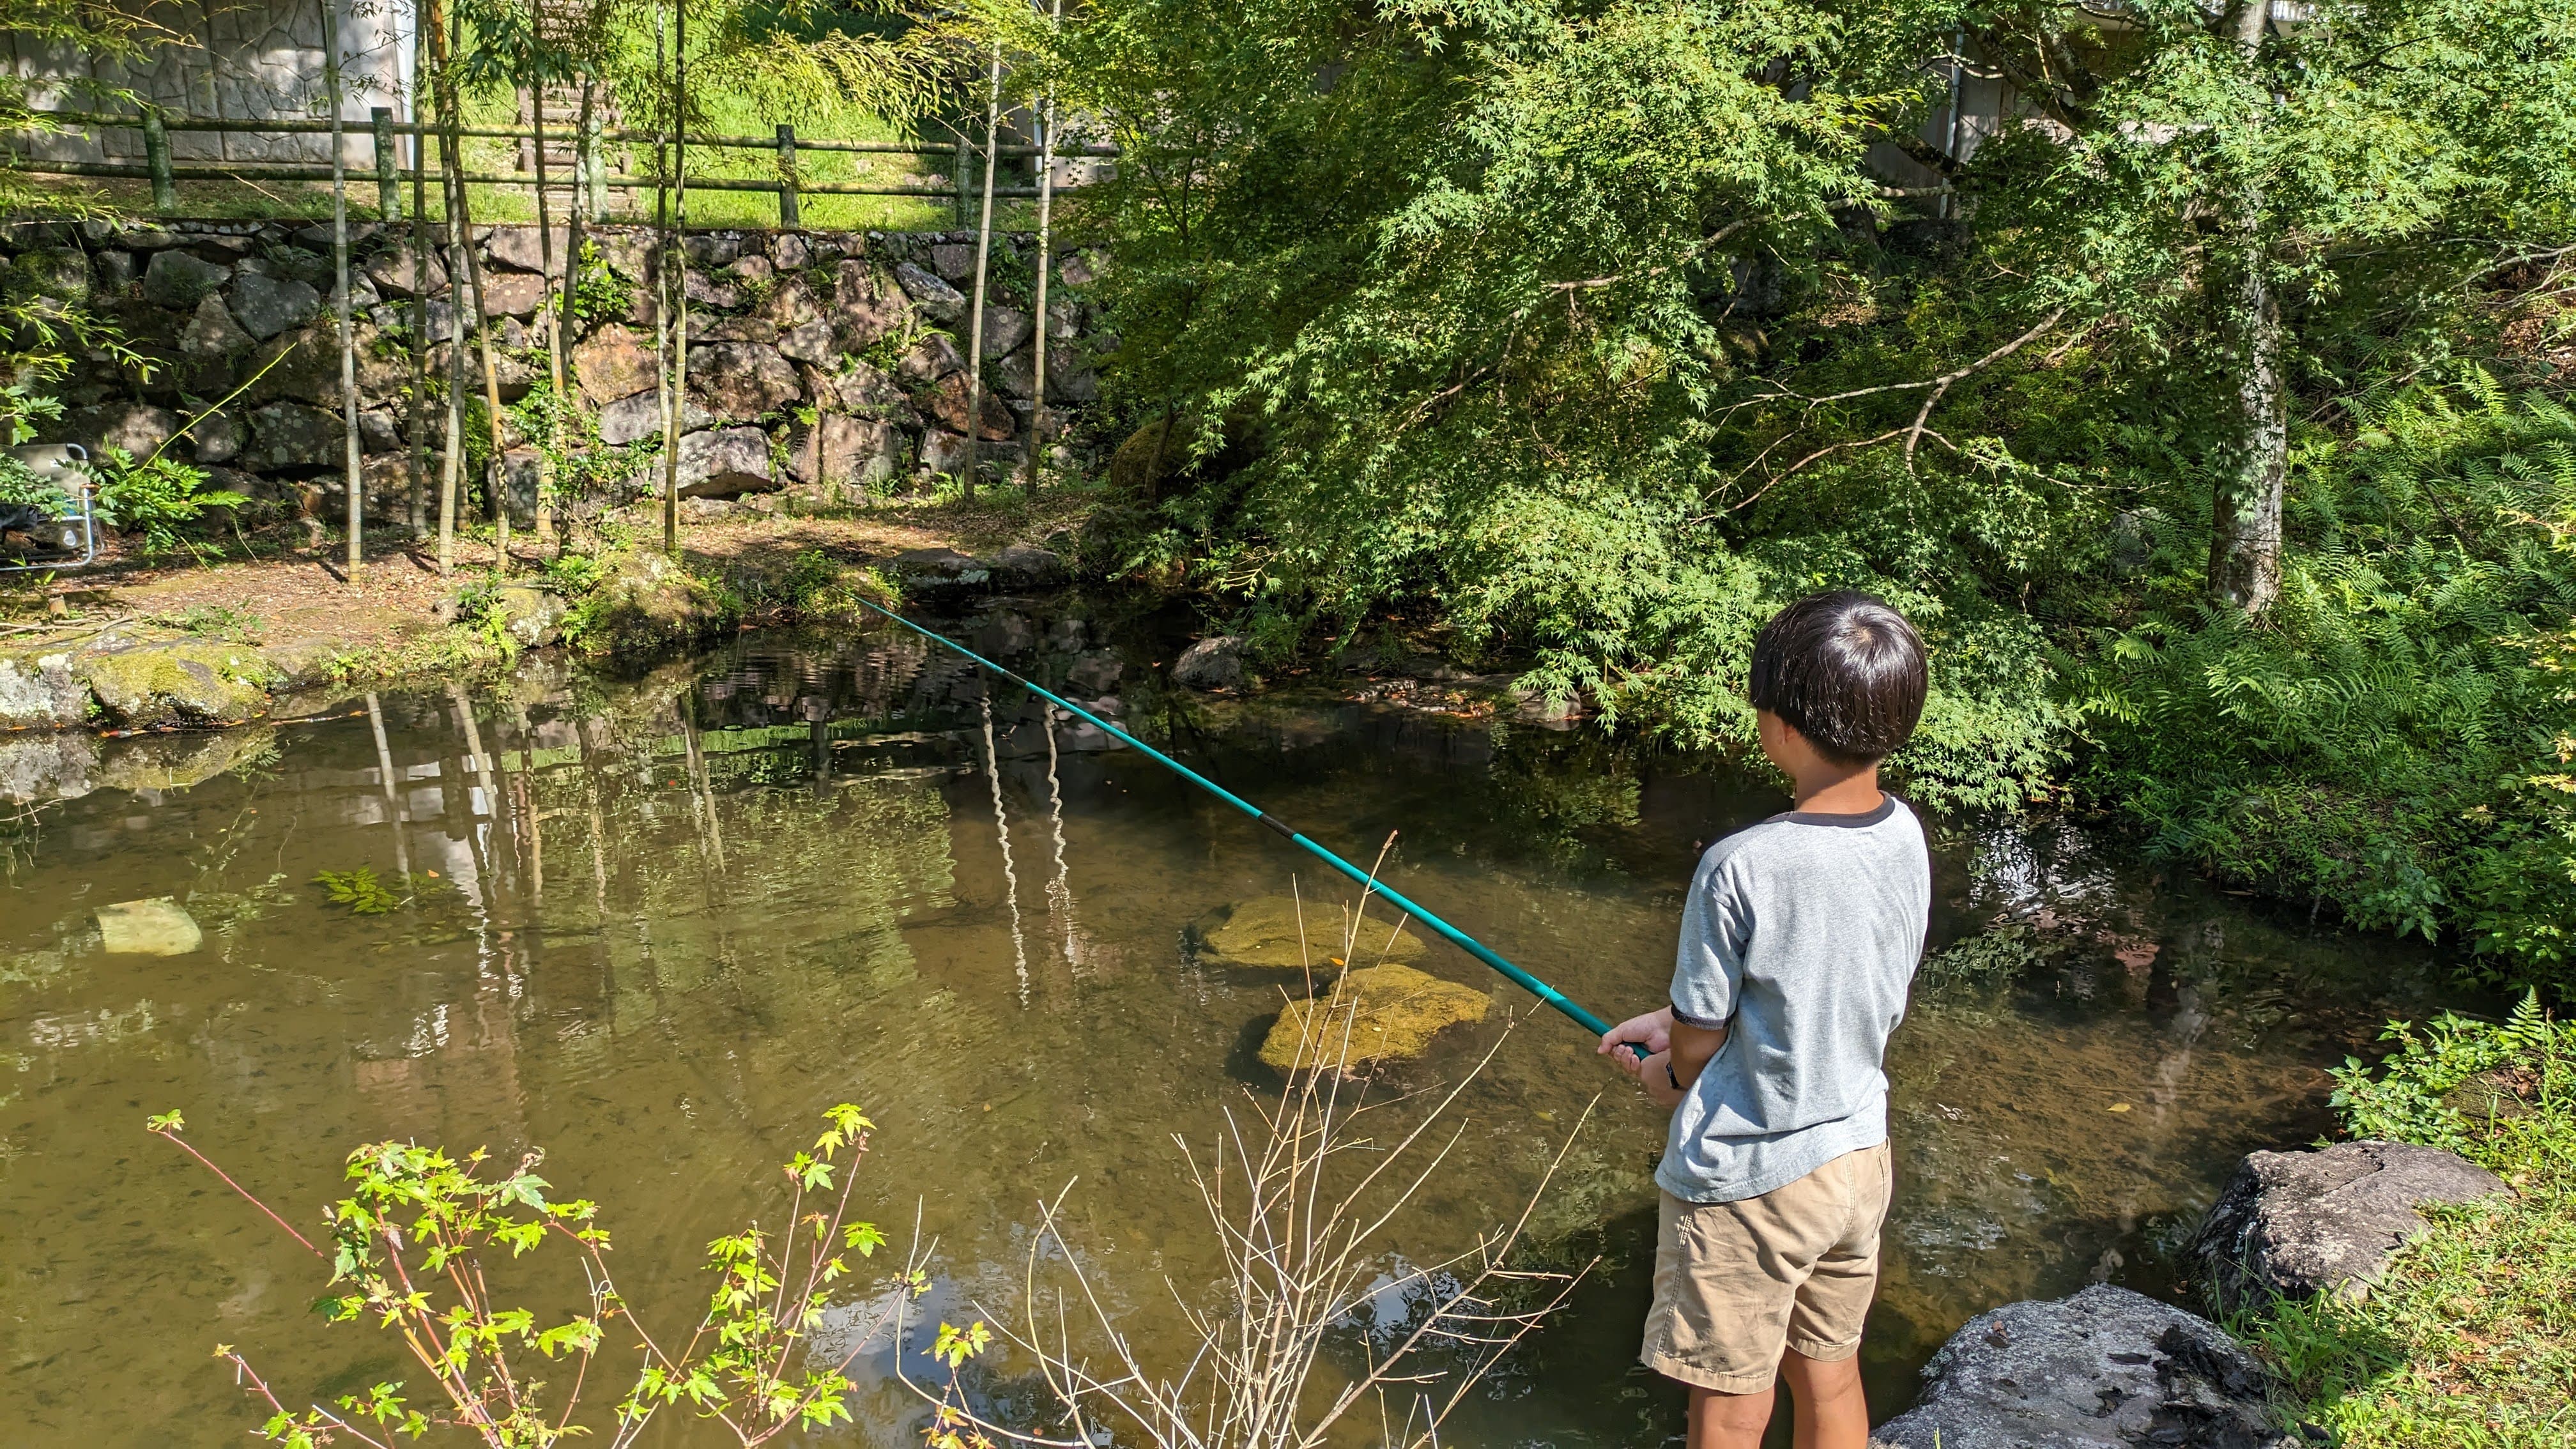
pixel 1702 1022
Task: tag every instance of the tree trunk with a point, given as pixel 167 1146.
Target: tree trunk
pixel 2245 507
pixel 2245 535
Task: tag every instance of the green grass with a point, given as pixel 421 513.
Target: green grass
pixel 2470 1342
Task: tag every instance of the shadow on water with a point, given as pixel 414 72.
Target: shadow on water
pixel 656 921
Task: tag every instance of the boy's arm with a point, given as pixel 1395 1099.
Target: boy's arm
pixel 1677 1052
pixel 1668 1075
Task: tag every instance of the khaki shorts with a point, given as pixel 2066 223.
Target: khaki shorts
pixel 1737 1282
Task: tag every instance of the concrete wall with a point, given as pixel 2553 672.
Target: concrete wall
pixel 237 60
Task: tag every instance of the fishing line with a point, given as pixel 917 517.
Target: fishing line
pixel 1452 934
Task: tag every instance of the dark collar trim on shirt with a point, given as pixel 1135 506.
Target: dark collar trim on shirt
pixel 1886 807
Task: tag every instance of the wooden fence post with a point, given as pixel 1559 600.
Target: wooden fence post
pixel 156 159
pixel 388 187
pixel 787 209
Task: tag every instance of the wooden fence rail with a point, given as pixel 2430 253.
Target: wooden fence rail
pixel 587 180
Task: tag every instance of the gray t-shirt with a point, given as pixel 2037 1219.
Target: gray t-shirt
pixel 1800 937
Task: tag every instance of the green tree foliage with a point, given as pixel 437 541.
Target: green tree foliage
pixel 1600 328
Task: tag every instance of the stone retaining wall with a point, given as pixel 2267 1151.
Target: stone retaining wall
pixel 822 364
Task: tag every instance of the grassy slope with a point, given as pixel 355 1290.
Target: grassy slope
pixel 2471 1340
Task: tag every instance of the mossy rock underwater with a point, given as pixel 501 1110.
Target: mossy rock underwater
pixel 1394 1012
pixel 1263 931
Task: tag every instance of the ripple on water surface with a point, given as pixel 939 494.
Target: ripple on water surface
pixel 655 924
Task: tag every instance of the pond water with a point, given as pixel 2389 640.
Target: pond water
pixel 677 915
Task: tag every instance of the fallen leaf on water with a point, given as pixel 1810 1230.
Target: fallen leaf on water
pixel 2119 1106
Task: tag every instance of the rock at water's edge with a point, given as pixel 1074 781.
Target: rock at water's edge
pixel 1394 1011
pixel 2295 1224
pixel 159 686
pixel 1264 932
pixel 644 601
pixel 1215 663
pixel 2104 1369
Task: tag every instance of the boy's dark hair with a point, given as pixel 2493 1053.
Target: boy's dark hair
pixel 1844 670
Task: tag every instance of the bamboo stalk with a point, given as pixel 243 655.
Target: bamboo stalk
pixel 419 285
pixel 565 322
pixel 354 468
pixel 545 517
pixel 494 488
pixel 983 252
pixel 677 415
pixel 1046 269
pixel 459 242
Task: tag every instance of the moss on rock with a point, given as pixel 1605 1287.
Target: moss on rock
pixel 1265 931
pixel 643 601
pixel 1393 1012
pixel 189 682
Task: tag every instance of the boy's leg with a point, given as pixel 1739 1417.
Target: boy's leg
pixel 1829 1409
pixel 1729 1421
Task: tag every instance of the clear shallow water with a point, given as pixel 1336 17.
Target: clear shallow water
pixel 681 913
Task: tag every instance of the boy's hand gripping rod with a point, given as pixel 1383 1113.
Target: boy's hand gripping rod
pixel 1459 938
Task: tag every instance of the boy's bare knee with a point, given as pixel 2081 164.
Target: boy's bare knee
pixel 1734 1415
pixel 1820 1381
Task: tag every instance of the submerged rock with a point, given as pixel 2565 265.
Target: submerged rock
pixel 1390 1012
pixel 1265 931
pixel 2296 1224
pixel 2104 1369
pixel 156 927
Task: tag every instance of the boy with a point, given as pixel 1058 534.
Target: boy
pixel 1798 941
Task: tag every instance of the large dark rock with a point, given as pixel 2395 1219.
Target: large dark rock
pixel 948 400
pixel 846 450
pixel 940 568
pixel 138 428
pixel 266 306
pixel 938 301
pixel 2104 1369
pixel 612 364
pixel 865 306
pixel 633 419
pixel 2296 1224
pixel 743 380
pixel 176 279
pixel 725 463
pixel 518 247
pixel 1004 330
pixel 391 269
pixel 1215 663
pixel 289 435
pixel 1021 566
pixel 212 332
pixel 513 294
pixel 59 273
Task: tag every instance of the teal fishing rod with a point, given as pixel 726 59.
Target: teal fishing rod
pixel 1456 937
